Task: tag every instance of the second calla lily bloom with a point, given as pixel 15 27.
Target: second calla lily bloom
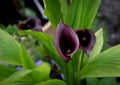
pixel 66 41
pixel 32 23
pixel 87 40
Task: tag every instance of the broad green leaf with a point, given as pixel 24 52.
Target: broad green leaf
pixel 48 44
pixel 102 81
pixel 52 82
pixel 28 63
pixel 43 71
pixel 53 11
pixel 99 43
pixel 9 49
pixel 108 81
pixel 15 77
pixel 92 81
pixel 72 13
pixel 22 83
pixel 64 8
pixel 88 13
pixel 26 60
pixel 5 72
pixel 81 13
pixel 105 64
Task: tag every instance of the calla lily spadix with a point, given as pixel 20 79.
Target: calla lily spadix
pixel 32 23
pixel 67 41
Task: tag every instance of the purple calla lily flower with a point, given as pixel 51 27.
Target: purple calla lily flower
pixel 87 40
pixel 32 23
pixel 66 41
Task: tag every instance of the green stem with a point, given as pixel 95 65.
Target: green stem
pixel 80 63
pixel 82 59
pixel 69 77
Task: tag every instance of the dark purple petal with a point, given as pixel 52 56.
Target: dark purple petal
pixel 66 41
pixel 87 40
pixel 31 23
pixel 22 27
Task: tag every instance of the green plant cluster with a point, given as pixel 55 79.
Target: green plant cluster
pixel 79 14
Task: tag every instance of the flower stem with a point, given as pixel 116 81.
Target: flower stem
pixel 80 63
pixel 82 59
pixel 70 79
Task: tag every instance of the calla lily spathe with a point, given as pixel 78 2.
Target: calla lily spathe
pixel 32 23
pixel 87 40
pixel 67 41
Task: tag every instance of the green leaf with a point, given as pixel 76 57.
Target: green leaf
pixel 15 77
pixel 52 82
pixel 53 11
pixel 64 8
pixel 81 13
pixel 105 64
pixel 26 60
pixel 43 71
pixel 5 72
pixel 102 81
pixel 72 13
pixel 28 63
pixel 9 49
pixel 92 81
pixel 108 81
pixel 48 45
pixel 47 42
pixel 21 83
pixel 99 43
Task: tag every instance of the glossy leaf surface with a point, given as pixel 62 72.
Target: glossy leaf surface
pixel 5 72
pixel 105 64
pixel 99 43
pixel 15 77
pixel 26 60
pixel 53 11
pixel 9 49
pixel 81 13
pixel 52 82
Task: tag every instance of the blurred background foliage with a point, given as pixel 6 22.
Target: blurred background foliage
pixel 108 17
